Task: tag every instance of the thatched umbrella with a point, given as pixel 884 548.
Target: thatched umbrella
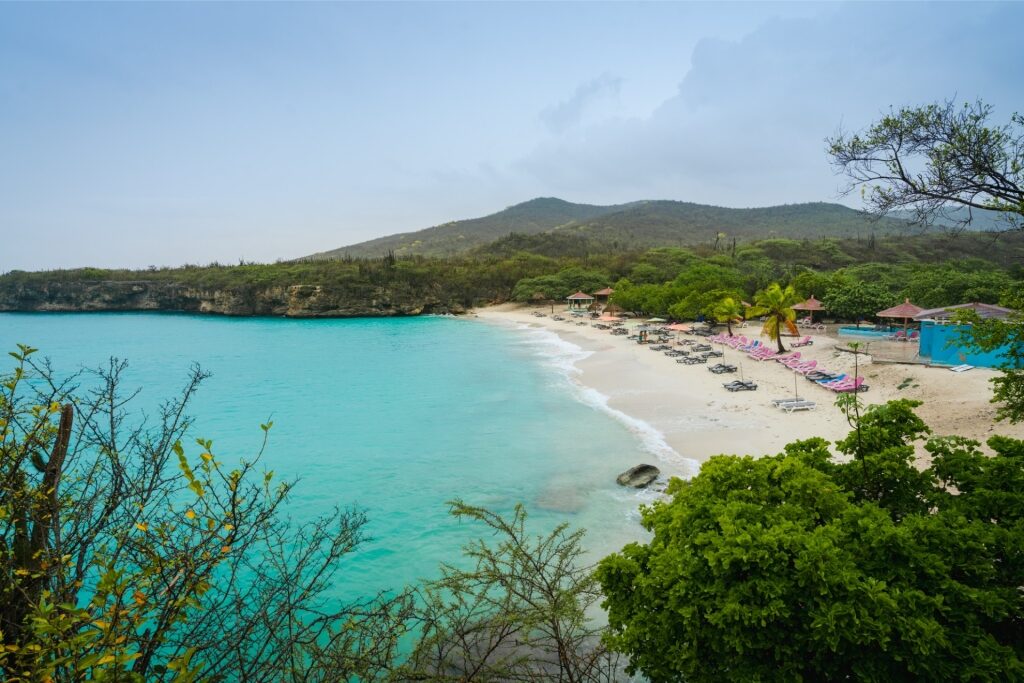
pixel 905 310
pixel 811 305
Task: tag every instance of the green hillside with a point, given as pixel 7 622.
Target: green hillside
pixel 529 218
pixel 634 225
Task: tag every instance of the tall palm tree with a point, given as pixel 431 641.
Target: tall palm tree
pixel 727 310
pixel 776 303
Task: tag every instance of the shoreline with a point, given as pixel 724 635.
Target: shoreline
pixel 697 418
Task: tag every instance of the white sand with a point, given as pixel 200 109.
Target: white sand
pixel 699 418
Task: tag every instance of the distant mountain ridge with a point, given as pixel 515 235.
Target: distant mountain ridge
pixel 639 224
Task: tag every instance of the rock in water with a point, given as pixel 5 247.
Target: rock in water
pixel 638 477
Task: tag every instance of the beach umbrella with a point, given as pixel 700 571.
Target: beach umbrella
pixel 905 310
pixel 810 305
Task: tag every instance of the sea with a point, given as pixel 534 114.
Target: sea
pixel 392 416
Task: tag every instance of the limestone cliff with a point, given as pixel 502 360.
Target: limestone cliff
pixel 298 301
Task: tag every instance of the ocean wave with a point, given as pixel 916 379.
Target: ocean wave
pixel 563 355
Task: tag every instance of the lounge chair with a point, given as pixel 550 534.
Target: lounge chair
pixel 798 405
pixel 806 341
pixel 854 386
pixel 822 376
pixel 804 368
pixel 721 368
pixel 962 368
pixel 795 355
pixel 739 385
pixel 779 401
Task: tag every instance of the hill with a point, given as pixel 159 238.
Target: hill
pixel 634 225
pixel 529 218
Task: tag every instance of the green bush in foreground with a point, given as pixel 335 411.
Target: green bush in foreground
pixel 794 567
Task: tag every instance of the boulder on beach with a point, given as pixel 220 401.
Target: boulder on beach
pixel 638 477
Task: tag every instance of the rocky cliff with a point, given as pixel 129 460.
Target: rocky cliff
pixel 298 301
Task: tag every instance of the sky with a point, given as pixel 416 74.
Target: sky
pixel 141 134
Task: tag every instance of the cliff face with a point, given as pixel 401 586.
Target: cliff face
pixel 298 301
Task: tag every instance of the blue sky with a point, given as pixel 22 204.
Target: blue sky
pixel 136 134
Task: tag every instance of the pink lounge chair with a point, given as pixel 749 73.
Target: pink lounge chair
pixel 849 386
pixel 770 355
pixel 793 362
pixel 804 368
pixel 788 357
pixel 806 341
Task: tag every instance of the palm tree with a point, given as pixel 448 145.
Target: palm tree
pixel 727 310
pixel 776 303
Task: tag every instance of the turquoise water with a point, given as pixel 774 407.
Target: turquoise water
pixel 395 416
pixel 863 332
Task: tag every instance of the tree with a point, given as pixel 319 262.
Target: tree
pixel 727 310
pixel 854 300
pixel 125 557
pixel 930 158
pixel 798 567
pixel 775 302
pixel 519 613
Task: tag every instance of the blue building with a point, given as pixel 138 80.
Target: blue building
pixel 940 336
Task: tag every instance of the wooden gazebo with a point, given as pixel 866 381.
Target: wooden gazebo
pixel 905 310
pixel 579 301
pixel 810 305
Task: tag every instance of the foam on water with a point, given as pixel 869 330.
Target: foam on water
pixel 563 355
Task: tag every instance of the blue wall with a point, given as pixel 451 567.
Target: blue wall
pixel 935 344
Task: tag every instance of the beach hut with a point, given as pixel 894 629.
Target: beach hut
pixel 603 294
pixel 810 305
pixel 905 310
pixel 579 301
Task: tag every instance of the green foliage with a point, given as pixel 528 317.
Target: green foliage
pixel 519 613
pixel 775 304
pixel 1007 338
pixel 798 567
pixel 125 555
pixel 727 310
pixel 855 300
pixel 560 285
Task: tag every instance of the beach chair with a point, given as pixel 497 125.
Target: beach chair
pixel 854 386
pixel 798 405
pixel 962 368
pixel 804 368
pixel 806 341
pixel 740 385
pixel 721 368
pixel 779 401
pixel 821 375
pixel 795 355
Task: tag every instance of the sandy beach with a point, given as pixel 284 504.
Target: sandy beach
pixel 698 418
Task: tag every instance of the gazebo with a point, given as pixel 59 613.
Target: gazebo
pixel 810 305
pixel 905 310
pixel 579 301
pixel 603 294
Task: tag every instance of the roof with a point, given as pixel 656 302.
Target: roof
pixel 811 304
pixel 607 291
pixel 983 310
pixel 580 295
pixel 904 310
